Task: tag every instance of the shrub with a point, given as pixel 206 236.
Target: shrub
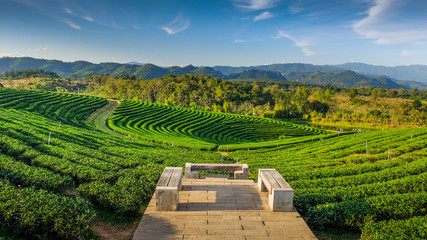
pixel 412 228
pixel 112 197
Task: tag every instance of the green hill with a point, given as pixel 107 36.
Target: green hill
pixel 256 74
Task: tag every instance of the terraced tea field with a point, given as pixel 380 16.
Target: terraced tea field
pixel 373 182
pixel 67 108
pixel 201 129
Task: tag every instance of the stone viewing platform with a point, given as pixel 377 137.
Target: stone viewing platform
pixel 222 208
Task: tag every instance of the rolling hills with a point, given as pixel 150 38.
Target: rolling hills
pixel 367 75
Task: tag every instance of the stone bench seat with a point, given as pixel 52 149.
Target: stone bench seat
pixel 241 171
pixel 281 195
pixel 167 189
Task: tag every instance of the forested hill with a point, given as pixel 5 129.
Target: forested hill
pixel 256 74
pixel 343 79
pixel 303 73
pixel 83 68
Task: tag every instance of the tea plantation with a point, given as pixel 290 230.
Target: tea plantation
pixel 59 174
pixel 373 181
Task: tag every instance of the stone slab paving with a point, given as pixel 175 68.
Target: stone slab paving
pixel 221 208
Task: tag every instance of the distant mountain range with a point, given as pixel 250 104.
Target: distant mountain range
pixel 413 72
pixel 348 75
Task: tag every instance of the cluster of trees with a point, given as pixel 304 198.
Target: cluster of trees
pixel 27 73
pixel 394 93
pixel 370 106
pixel 213 94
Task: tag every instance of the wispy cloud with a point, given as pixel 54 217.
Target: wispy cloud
pixel 179 24
pixel 68 11
pixel 303 44
pixel 72 24
pixel 79 12
pixel 386 22
pixel 72 12
pixel 251 5
pixel 263 16
pixel 87 18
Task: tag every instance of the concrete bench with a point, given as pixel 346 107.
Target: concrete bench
pixel 281 195
pixel 167 190
pixel 241 171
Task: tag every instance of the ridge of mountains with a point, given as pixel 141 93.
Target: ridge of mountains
pixel 345 75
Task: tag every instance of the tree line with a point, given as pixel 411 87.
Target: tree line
pixel 27 73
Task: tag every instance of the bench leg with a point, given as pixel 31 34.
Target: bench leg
pixel 281 200
pixel 261 186
pixel 167 198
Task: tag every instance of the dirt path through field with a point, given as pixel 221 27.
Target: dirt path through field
pixel 100 116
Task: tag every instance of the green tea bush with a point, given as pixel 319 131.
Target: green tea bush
pixel 37 213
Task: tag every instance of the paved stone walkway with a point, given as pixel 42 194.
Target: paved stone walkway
pixel 220 208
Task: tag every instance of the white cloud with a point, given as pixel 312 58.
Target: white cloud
pixel 68 11
pixel 255 4
pixel 263 16
pixel 179 24
pixel 73 25
pixel 303 44
pixel 387 22
pixel 87 18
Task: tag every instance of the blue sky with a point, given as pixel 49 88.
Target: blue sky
pixel 221 32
